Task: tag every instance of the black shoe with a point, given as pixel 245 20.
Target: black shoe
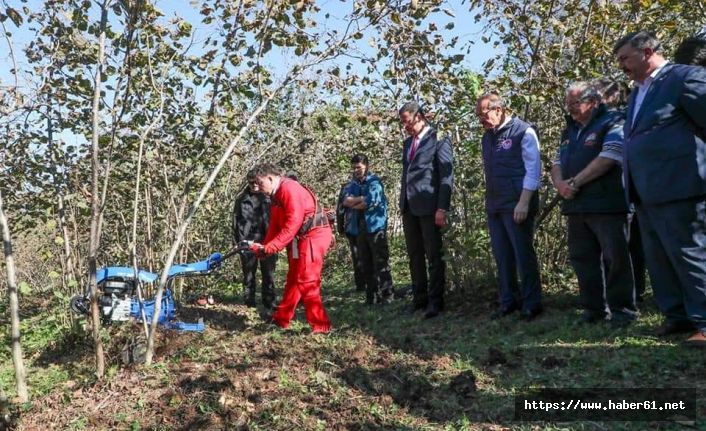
pixel 592 317
pixel 502 312
pixel 251 303
pixel 528 315
pixel 431 312
pixel 670 328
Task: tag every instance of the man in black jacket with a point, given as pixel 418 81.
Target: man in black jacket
pixel 251 215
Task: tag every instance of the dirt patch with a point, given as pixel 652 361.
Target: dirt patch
pixel 246 375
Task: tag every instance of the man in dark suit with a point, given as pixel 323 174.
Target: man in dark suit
pixel 425 198
pixel 512 171
pixel 665 175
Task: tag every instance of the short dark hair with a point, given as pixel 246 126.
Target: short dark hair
pixel 413 108
pixel 639 40
pixel 264 169
pixel 691 50
pixel 360 158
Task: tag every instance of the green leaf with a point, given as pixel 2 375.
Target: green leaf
pixel 24 288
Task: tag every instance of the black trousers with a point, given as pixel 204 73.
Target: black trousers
pixel 637 256
pixel 267 269
pixel 357 267
pixel 374 256
pixel 592 236
pixel 424 248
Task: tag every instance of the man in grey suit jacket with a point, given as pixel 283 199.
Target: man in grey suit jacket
pixel 425 197
pixel 665 175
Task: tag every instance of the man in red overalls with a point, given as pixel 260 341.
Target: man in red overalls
pixel 298 223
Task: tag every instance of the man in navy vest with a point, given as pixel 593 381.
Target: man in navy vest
pixel 425 197
pixel 664 164
pixel 587 174
pixel 512 171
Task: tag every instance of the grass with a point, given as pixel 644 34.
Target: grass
pixel 379 369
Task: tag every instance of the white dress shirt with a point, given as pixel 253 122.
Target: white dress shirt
pixel 643 87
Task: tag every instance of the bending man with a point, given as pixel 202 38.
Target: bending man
pixel 298 223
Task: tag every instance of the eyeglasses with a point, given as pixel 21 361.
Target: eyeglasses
pixel 484 113
pixel 575 103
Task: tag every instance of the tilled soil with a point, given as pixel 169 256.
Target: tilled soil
pixel 243 373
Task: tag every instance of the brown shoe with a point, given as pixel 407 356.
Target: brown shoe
pixel 697 340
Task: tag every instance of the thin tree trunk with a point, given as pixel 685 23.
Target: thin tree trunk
pixel 68 272
pixel 186 221
pixel 94 241
pixel 148 211
pixel 189 216
pixel 136 203
pixel 133 242
pixel 535 55
pixel 20 375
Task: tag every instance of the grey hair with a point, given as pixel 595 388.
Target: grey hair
pixel 494 100
pixel 639 40
pixel 587 91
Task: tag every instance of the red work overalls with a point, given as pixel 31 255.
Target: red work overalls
pixel 292 205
